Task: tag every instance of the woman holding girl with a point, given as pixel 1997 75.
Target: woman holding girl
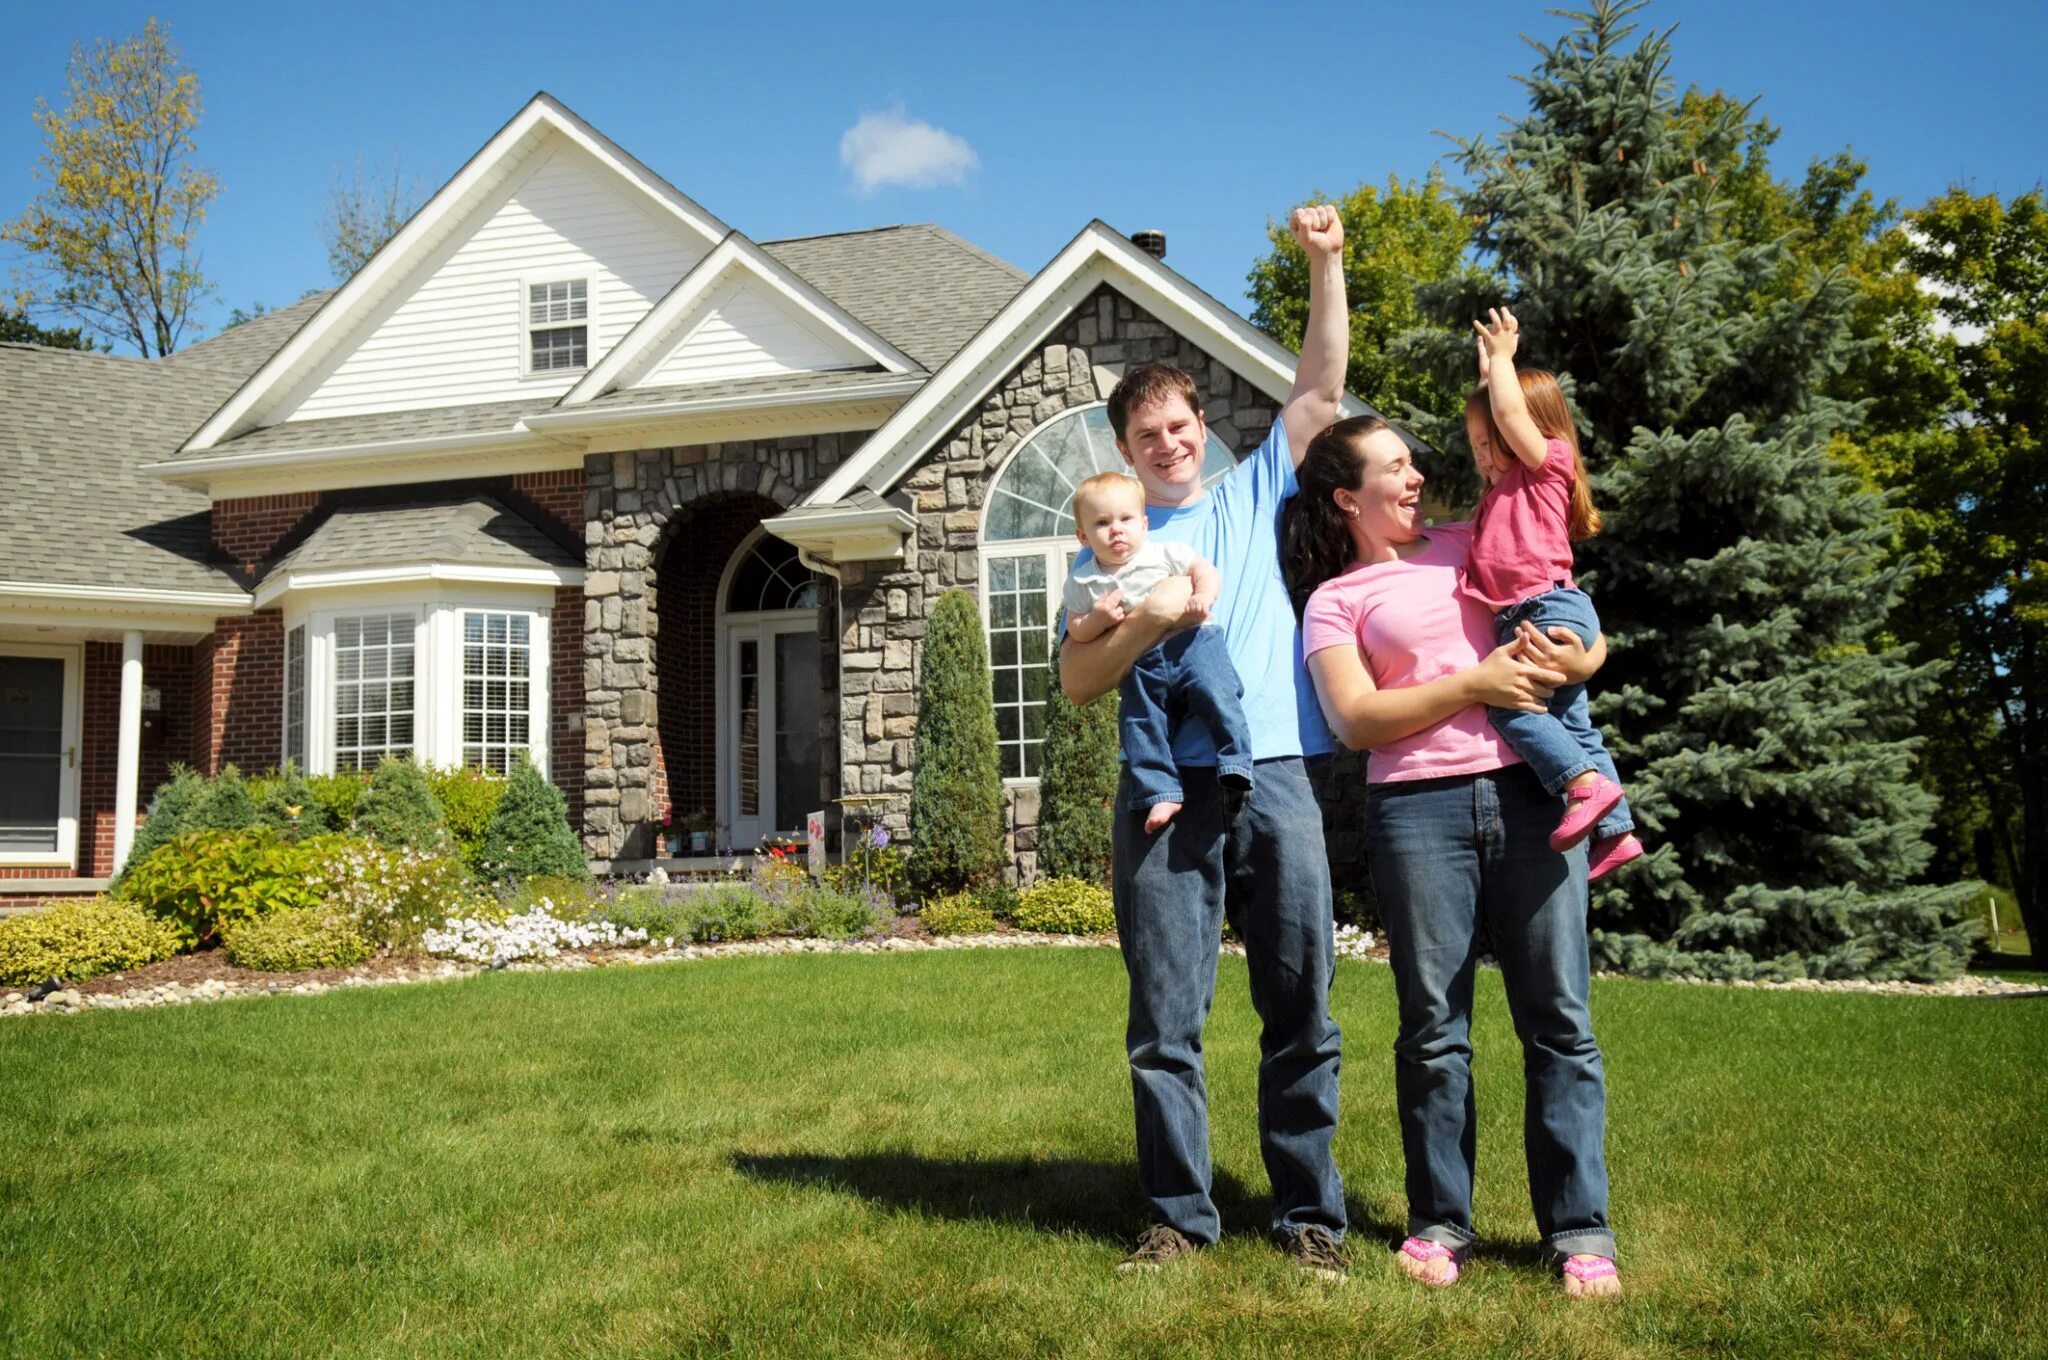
pixel 1458 835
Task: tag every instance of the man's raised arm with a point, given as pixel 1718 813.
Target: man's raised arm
pixel 1326 341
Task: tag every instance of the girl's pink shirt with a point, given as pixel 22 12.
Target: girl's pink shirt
pixel 1521 536
pixel 1412 623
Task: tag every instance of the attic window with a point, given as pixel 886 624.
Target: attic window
pixel 552 344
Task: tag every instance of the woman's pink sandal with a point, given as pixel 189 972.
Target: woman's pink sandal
pixel 1584 807
pixel 1586 1270
pixel 1427 1253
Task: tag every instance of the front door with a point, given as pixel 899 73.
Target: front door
pixel 776 704
pixel 38 756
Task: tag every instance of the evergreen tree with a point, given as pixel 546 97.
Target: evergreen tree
pixel 1743 578
pixel 529 833
pixel 956 791
pixel 1076 784
pixel 228 805
pixel 399 807
pixel 173 811
pixel 289 806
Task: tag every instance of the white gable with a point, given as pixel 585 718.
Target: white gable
pixel 456 334
pixel 745 333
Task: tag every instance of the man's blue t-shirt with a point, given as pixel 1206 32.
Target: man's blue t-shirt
pixel 1236 526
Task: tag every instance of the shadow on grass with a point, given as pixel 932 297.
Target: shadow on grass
pixel 1058 1194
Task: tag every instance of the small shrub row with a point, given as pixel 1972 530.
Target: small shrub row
pixel 959 914
pixel 79 940
pixel 294 940
pixel 1066 906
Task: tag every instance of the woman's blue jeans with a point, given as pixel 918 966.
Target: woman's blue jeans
pixel 1455 862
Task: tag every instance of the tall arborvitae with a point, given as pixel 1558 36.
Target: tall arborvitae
pixel 1077 784
pixel 956 790
pixel 1743 578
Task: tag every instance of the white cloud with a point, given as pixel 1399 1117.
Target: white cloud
pixel 888 148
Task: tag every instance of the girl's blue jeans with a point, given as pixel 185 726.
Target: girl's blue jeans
pixel 1459 863
pixel 1562 744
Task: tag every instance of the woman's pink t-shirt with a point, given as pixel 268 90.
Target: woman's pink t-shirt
pixel 1521 532
pixel 1412 623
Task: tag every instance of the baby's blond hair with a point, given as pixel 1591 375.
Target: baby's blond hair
pixel 1101 484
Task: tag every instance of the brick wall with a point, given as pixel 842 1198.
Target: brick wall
pixel 565 698
pixel 166 736
pixel 238 695
pixel 559 493
pixel 245 530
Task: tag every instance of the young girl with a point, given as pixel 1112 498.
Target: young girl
pixel 1537 502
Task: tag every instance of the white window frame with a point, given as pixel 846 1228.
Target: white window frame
pixel 65 856
pixel 527 325
pixel 297 714
pixel 532 681
pixel 437 612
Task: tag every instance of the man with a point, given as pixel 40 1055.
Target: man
pixel 1265 868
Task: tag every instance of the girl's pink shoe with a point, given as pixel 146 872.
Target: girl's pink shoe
pixel 1611 852
pixel 1584 807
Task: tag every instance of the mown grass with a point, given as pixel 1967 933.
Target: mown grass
pixel 930 1156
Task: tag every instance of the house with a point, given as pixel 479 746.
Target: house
pixel 570 468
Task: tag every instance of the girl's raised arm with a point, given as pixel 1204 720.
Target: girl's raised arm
pixel 1510 409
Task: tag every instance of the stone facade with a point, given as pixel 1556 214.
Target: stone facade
pixel 637 507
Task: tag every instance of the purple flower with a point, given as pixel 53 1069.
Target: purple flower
pixel 878 838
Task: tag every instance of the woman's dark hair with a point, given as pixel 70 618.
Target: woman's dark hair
pixel 1315 543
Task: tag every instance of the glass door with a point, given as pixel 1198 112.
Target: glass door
pixel 772 728
pixel 38 756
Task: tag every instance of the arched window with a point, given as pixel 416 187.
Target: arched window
pixel 769 578
pixel 1027 546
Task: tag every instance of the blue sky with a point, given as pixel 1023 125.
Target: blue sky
pixel 1012 126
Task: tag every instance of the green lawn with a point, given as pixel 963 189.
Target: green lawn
pixel 929 1155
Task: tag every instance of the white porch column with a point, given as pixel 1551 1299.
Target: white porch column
pixel 128 767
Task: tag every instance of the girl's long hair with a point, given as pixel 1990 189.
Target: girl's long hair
pixel 1553 417
pixel 1315 541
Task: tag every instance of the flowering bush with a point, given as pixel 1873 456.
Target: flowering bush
pixel 392 893
pixel 538 934
pixel 706 915
pixel 1353 943
pixel 872 862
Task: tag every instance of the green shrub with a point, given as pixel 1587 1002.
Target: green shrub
pixel 393 894
pixel 998 900
pixel 173 811
pixel 203 880
pixel 832 915
pixel 1076 784
pixel 278 794
pixel 338 794
pixel 529 833
pixel 872 862
pixel 567 898
pixel 1066 906
pixel 723 911
pixel 295 940
pixel 960 914
pixel 468 798
pixel 399 807
pixel 82 939
pixel 228 805
pixel 956 791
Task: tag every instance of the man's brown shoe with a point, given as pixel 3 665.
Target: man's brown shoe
pixel 1157 1246
pixel 1317 1251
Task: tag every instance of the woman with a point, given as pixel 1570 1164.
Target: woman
pixel 1457 837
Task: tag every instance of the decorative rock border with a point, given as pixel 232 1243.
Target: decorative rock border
pixel 66 1001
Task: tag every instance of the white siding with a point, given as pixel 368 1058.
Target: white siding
pixel 747 332
pixel 456 335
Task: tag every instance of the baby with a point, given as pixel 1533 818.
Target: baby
pixel 1187 674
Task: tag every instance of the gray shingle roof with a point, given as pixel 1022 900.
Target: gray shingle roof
pixel 345 431
pixel 477 531
pixel 922 288
pixel 731 389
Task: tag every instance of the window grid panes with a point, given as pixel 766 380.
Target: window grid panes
pixel 373 689
pixel 1019 640
pixel 295 696
pixel 497 689
pixel 554 345
pixel 772 578
pixel 1031 517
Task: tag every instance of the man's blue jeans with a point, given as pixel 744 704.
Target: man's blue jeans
pixel 1187 676
pixel 1267 872
pixel 1562 744
pixel 1455 861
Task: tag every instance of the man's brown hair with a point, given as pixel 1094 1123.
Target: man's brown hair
pixel 1144 385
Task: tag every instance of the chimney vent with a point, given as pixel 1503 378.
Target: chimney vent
pixel 1153 243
